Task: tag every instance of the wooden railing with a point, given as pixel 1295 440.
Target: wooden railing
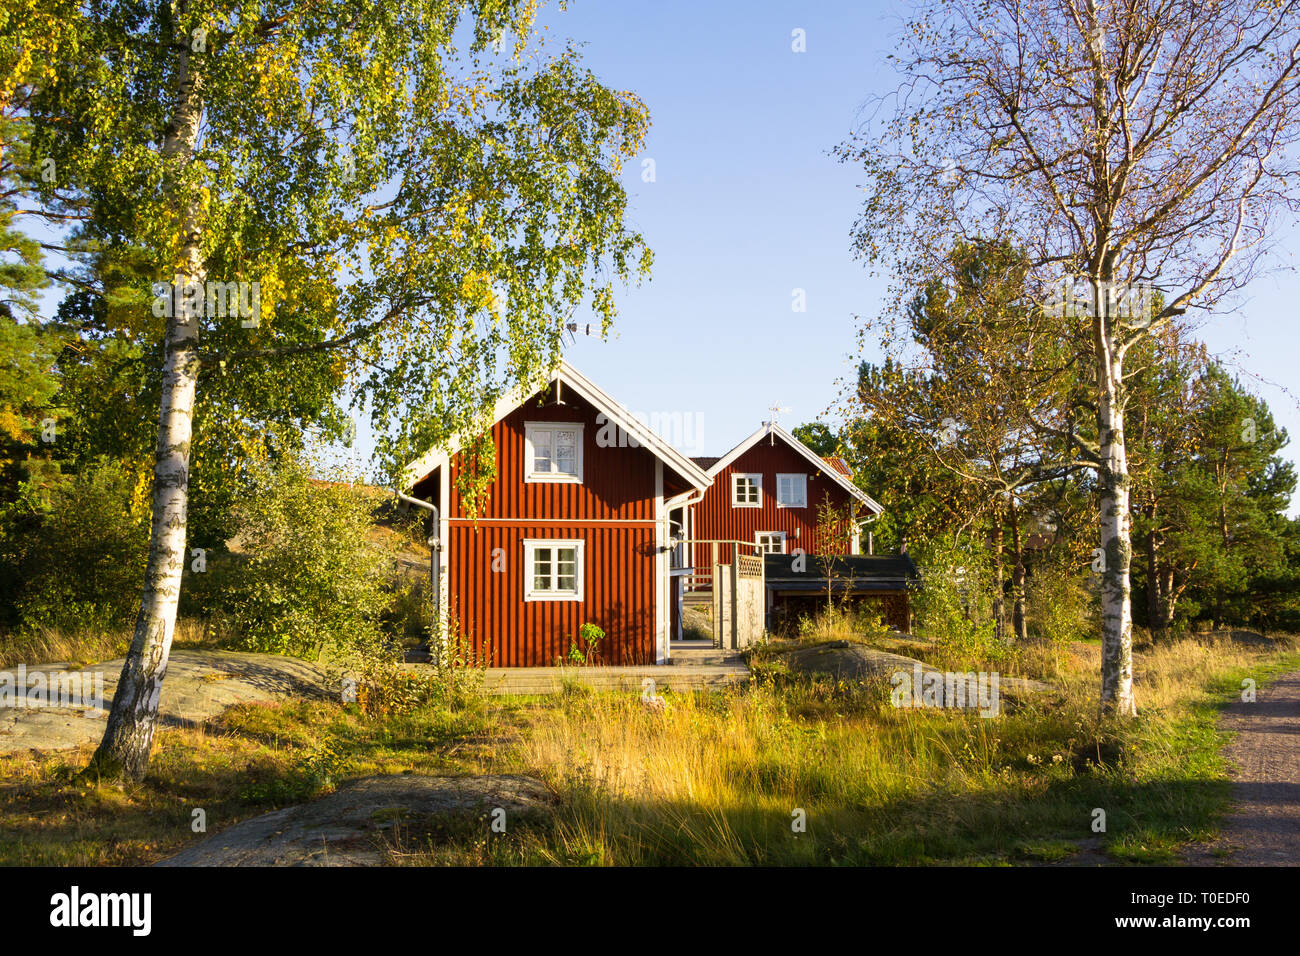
pixel 749 565
pixel 702 578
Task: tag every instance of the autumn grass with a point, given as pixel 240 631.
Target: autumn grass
pixel 256 758
pixel 714 778
pixel 726 778
pixel 49 645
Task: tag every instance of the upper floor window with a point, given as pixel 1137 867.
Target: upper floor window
pixel 792 491
pixel 746 491
pixel 553 451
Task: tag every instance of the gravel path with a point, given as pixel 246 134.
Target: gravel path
pixel 1263 828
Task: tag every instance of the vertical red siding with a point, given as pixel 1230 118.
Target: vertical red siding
pixel 612 511
pixel 715 518
pixel 618 483
pixel 618 594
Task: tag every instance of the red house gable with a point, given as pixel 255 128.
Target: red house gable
pixel 768 490
pixel 573 530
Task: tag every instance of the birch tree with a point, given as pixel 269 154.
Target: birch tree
pixel 1122 145
pixel 423 192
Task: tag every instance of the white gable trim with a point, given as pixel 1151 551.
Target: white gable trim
pixel 567 375
pixel 771 428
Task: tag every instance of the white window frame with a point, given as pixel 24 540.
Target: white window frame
pixel 758 542
pixel 530 551
pixel 802 488
pixel 531 474
pixel 757 479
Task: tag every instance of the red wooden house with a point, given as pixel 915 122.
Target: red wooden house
pixel 769 490
pixel 574 529
pixel 775 495
pixel 593 518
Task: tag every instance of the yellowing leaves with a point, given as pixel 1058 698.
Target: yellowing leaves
pixel 476 291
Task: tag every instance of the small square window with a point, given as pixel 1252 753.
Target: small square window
pixel 552 451
pixel 770 542
pixel 746 491
pixel 792 491
pixel 553 570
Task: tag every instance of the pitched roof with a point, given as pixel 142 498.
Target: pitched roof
pixel 645 436
pixel 841 477
pixel 705 463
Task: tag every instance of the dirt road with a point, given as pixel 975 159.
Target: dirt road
pixel 1263 828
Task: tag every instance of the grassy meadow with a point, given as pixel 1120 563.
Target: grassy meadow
pixel 788 769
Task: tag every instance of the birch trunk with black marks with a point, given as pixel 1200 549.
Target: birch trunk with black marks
pixel 1019 623
pixel 999 579
pixel 1116 541
pixel 133 718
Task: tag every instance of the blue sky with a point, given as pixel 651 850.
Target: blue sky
pixel 748 205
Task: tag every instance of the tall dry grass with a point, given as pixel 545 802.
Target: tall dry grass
pixel 50 645
pixel 720 778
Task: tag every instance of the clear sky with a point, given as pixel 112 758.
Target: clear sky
pixel 747 205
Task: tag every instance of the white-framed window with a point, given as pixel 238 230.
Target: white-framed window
pixel 553 451
pixel 746 491
pixel 792 491
pixel 770 542
pixel 553 569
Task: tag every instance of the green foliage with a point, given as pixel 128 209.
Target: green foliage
pixel 586 649
pixel 953 605
pixel 818 437
pixel 442 210
pixel 305 577
pixel 1210 495
pixel 73 553
pixel 1061 606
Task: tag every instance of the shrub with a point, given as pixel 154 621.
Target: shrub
pixel 305 577
pixel 74 552
pixel 1059 605
pixel 586 648
pixel 842 622
pixel 953 604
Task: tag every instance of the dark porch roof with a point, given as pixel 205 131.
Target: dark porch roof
pixel 856 572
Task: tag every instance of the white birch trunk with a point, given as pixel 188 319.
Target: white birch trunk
pixel 1116 543
pixel 133 718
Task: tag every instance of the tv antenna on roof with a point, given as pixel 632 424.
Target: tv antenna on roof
pixel 586 328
